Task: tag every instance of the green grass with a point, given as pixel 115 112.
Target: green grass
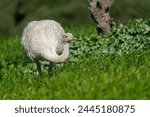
pixel 113 67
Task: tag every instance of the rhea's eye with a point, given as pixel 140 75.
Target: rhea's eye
pixel 65 36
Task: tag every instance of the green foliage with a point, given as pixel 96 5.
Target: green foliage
pixel 112 67
pixel 135 36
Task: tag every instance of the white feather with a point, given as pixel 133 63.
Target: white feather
pixel 46 39
pixel 43 39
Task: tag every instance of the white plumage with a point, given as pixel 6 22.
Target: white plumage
pixel 46 39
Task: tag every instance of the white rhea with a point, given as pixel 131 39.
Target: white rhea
pixel 46 39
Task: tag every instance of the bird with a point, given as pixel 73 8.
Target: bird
pixel 46 40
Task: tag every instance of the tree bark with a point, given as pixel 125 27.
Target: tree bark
pixel 100 14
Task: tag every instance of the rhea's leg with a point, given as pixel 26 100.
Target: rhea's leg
pixel 38 67
pixel 50 68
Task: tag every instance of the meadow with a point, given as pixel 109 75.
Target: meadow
pixel 99 67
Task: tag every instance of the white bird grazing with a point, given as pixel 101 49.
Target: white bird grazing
pixel 46 39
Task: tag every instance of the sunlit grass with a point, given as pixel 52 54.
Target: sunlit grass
pixel 88 74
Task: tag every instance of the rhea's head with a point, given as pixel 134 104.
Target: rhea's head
pixel 68 37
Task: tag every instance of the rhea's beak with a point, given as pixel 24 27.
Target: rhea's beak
pixel 74 38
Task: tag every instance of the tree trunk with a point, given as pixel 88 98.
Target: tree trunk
pixel 100 14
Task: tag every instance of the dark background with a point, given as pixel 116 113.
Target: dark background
pixel 14 14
